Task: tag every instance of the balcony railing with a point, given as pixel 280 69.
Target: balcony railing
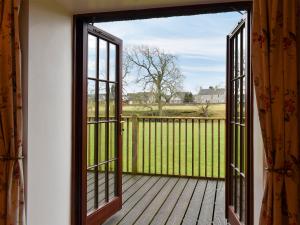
pixel 173 146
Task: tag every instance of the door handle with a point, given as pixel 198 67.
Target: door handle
pixel 122 126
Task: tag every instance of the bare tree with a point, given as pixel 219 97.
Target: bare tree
pixel 205 108
pixel 157 71
pixel 171 91
pixel 127 66
pixel 204 104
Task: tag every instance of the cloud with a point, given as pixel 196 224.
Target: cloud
pixel 198 41
pixel 208 47
pixel 122 29
pixel 200 57
pixel 199 69
pixel 195 81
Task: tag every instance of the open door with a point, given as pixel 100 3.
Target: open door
pixel 98 108
pixel 239 191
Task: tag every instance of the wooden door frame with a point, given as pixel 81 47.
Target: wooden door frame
pixel 79 135
pixel 115 204
pixel 249 137
pixel 78 200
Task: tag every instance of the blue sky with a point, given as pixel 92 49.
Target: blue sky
pixel 198 41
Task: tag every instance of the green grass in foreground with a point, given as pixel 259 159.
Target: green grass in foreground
pixel 162 161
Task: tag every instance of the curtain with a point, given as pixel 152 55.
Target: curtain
pixel 275 72
pixel 11 167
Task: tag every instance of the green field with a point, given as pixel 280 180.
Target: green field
pixel 214 110
pixel 187 110
pixel 166 148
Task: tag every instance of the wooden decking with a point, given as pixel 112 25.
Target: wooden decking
pixel 168 200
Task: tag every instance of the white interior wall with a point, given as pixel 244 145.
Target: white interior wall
pixel 258 161
pixel 88 6
pixel 49 113
pixel 47 71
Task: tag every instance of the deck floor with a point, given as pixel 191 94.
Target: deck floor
pixel 170 200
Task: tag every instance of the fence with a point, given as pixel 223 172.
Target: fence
pixel 175 146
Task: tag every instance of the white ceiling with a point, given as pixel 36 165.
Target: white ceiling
pixel 89 6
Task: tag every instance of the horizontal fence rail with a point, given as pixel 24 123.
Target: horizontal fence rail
pixel 173 146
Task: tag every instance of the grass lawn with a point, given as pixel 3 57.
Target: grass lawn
pixel 160 150
pixel 215 110
pixel 188 110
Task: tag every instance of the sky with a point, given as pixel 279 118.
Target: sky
pixel 199 42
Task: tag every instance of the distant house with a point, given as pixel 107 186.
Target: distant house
pixel 102 97
pixel 140 98
pixel 178 98
pixel 212 95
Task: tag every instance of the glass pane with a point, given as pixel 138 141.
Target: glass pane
pixel 112 180
pixel 91 100
pixel 241 53
pixel 101 185
pixel 244 101
pixel 237 100
pixel 112 140
pixel 90 144
pixel 233 187
pixel 233 144
pixel 245 148
pixel 92 56
pixel 239 97
pixel 237 56
pixel 102 59
pixel 232 96
pixel 244 50
pixel 112 61
pixel 90 191
pixel 102 101
pixel 242 215
pixel 242 149
pixel 112 101
pixel 101 142
pixel 238 143
pixel 96 185
pixel 237 189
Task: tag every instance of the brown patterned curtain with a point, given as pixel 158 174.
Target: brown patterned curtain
pixel 274 58
pixel 11 165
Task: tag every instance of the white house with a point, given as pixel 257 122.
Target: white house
pixel 212 95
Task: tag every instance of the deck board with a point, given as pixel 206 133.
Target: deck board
pixel 157 202
pixel 166 209
pixel 219 205
pixel 207 209
pixel 133 200
pixel 191 216
pixel 134 214
pixel 169 200
pixel 182 204
pixel 136 186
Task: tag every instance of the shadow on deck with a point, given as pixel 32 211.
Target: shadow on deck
pixel 170 200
